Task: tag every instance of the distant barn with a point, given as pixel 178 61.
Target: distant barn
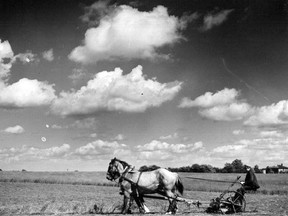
pixel 275 169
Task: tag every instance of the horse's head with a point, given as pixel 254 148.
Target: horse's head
pixel 115 169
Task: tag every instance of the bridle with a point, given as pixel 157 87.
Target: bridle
pixel 114 173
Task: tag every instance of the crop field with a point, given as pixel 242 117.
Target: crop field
pixel 83 193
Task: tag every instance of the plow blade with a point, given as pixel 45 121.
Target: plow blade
pixel 178 199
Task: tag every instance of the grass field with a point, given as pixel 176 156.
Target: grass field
pixel 77 193
pixel 79 178
pixel 270 184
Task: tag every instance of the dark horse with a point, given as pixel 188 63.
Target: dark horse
pixel 134 184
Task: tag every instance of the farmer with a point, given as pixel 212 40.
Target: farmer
pixel 251 182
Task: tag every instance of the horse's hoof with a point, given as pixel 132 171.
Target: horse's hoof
pixel 168 213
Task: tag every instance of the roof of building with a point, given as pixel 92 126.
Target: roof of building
pixel 282 167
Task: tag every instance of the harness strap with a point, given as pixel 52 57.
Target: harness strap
pixel 137 186
pixel 123 175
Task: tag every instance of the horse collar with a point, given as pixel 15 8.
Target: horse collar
pixel 123 175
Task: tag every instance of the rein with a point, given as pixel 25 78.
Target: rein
pixel 212 180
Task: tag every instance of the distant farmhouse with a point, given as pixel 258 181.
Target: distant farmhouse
pixel 275 169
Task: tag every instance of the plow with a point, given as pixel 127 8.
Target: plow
pixel 228 202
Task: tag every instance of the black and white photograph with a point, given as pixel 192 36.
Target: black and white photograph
pixel 111 107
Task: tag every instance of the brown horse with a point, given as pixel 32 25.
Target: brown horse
pixel 135 184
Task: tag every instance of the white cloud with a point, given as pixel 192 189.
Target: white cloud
pixel 229 112
pixel 171 136
pixel 25 58
pixel 163 150
pixel 119 137
pixel 26 93
pixel 6 58
pixel 216 19
pixel 14 130
pixel 269 151
pixel 223 105
pixel 272 115
pixel 93 135
pixel 55 126
pixel 238 132
pixel 126 33
pixel 78 74
pixel 48 55
pixel 99 148
pixel 30 153
pixel 225 96
pixel 114 91
pixel 87 123
pixel 271 134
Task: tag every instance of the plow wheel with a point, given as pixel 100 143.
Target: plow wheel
pixel 232 202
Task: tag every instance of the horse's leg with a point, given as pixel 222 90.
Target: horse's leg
pixel 126 203
pixel 141 204
pixel 172 202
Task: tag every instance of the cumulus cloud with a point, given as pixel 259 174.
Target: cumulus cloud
pixel 99 148
pixel 78 74
pixel 86 123
pixel 272 115
pixel 127 33
pixel 14 130
pixel 223 97
pixel 271 134
pixel 119 137
pixel 238 132
pixel 163 150
pixel 26 93
pixel 223 105
pixel 260 150
pixel 55 126
pixel 28 153
pixel 48 55
pixel 229 112
pixel 114 91
pixel 171 136
pixel 215 19
pixel 6 58
pixel 25 58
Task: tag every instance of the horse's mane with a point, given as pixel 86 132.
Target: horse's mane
pixel 124 163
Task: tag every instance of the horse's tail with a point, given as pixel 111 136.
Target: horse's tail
pixel 179 185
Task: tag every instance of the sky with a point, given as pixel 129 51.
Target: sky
pixel 170 83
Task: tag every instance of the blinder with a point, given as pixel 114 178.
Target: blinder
pixel 112 172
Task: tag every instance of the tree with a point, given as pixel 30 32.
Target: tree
pixel 256 169
pixel 238 166
pixel 228 168
pixel 195 168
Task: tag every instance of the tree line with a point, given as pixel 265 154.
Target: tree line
pixel 235 167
